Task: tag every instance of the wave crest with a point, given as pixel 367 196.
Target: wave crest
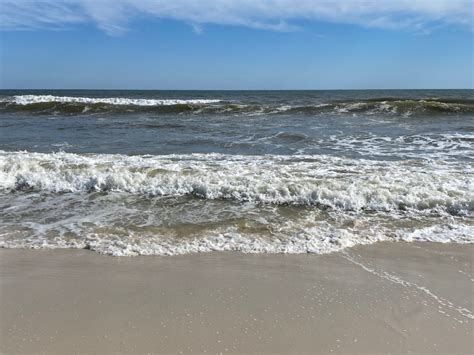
pixel 118 101
pixel 47 104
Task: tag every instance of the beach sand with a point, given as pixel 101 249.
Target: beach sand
pixel 383 298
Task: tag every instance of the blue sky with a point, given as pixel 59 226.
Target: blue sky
pixel 231 44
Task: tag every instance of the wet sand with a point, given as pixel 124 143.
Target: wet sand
pixel 384 298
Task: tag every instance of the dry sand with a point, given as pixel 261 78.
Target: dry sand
pixel 388 297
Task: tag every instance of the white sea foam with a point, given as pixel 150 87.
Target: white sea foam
pixel 440 233
pixel 433 146
pixel 338 183
pixel 321 239
pixel 33 99
pixel 317 241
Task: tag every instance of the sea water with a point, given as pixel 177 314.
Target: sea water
pixel 176 172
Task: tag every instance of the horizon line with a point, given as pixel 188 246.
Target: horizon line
pixel 108 89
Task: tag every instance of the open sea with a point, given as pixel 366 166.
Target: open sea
pixel 174 172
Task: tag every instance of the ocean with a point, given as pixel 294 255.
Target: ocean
pixel 129 173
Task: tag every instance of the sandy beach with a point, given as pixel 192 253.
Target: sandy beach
pixel 383 298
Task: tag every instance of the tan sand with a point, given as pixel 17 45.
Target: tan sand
pixel 388 297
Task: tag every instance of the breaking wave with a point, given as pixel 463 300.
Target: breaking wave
pixel 323 182
pixel 25 100
pixel 48 104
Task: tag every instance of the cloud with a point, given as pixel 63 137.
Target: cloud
pixel 116 16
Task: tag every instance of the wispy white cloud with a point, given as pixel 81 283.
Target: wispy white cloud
pixel 115 16
pixel 197 28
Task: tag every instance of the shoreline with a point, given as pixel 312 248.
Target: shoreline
pixel 380 298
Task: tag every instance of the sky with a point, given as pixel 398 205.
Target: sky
pixel 236 44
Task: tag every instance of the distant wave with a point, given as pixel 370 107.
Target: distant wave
pixel 48 104
pixel 25 100
pixel 323 182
